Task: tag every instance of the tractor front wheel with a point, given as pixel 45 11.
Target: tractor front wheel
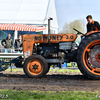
pixel 35 66
pixel 88 57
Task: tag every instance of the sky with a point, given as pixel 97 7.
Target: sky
pixel 70 10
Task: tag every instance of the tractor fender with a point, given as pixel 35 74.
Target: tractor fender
pixel 92 32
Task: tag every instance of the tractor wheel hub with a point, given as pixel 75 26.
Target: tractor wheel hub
pixel 94 56
pixel 35 67
pixel 98 57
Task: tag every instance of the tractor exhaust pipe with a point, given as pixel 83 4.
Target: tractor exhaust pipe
pixel 49 29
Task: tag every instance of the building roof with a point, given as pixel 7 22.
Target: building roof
pixel 21 27
pixel 27 11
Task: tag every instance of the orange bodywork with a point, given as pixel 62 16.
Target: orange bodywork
pixel 30 39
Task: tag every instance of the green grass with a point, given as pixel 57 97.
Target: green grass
pixel 64 70
pixel 47 95
pixel 69 65
pixel 15 70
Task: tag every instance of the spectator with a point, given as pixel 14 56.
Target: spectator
pixel 18 44
pixel 7 42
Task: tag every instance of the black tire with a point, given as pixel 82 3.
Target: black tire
pixel 40 60
pixel 82 54
pixel 48 68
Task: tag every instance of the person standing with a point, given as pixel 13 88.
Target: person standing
pixel 7 42
pixel 18 44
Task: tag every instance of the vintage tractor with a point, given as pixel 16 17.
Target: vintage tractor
pixel 42 50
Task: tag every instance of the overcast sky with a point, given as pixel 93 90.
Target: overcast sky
pixel 69 10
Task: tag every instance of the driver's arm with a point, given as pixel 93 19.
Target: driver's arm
pixel 87 28
pixel 97 25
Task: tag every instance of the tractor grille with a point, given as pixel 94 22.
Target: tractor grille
pixel 65 45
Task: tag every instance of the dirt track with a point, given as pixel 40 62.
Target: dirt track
pixel 51 82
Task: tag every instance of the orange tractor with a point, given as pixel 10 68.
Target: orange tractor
pixel 42 51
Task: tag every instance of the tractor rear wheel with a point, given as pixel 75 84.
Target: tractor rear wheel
pixel 88 57
pixel 35 66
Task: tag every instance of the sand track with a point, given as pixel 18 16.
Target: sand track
pixel 51 82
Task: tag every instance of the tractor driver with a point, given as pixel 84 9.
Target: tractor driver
pixel 92 25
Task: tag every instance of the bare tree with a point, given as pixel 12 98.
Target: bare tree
pixel 78 24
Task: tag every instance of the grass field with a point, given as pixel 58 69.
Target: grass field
pixel 15 70
pixel 64 70
pixel 47 95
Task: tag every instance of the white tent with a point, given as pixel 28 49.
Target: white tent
pixel 35 12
